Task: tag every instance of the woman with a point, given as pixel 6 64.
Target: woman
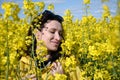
pixel 48 28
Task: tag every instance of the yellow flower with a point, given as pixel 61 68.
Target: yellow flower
pixel 84 20
pixel 93 51
pixel 50 7
pixel 95 45
pixel 106 12
pixel 105 7
pixel 102 74
pixel 41 5
pixel 28 40
pixel 86 1
pixel 60 77
pixel 68 62
pixel 41 50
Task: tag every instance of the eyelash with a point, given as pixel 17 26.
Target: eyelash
pixel 54 32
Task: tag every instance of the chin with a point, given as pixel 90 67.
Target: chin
pixel 53 49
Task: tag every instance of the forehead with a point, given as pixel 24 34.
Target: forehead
pixel 53 24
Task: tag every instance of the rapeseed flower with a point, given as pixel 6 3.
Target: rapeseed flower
pixel 41 5
pixel 50 7
pixel 60 77
pixel 106 12
pixel 86 1
pixel 90 47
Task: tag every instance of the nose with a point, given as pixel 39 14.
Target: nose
pixel 58 37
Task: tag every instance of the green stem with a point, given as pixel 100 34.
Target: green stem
pixel 86 9
pixel 7 51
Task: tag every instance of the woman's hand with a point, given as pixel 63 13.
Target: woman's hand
pixel 56 68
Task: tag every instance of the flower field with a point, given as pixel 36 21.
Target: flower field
pixel 92 45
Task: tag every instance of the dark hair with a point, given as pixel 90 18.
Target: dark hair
pixel 40 20
pixel 44 17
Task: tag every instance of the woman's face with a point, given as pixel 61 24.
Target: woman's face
pixel 51 34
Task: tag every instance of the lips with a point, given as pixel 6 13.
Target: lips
pixel 56 43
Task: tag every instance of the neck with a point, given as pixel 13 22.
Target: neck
pixel 50 54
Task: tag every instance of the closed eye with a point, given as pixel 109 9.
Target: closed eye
pixel 52 31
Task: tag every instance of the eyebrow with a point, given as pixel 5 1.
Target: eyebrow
pixel 53 29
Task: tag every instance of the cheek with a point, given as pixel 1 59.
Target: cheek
pixel 46 38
